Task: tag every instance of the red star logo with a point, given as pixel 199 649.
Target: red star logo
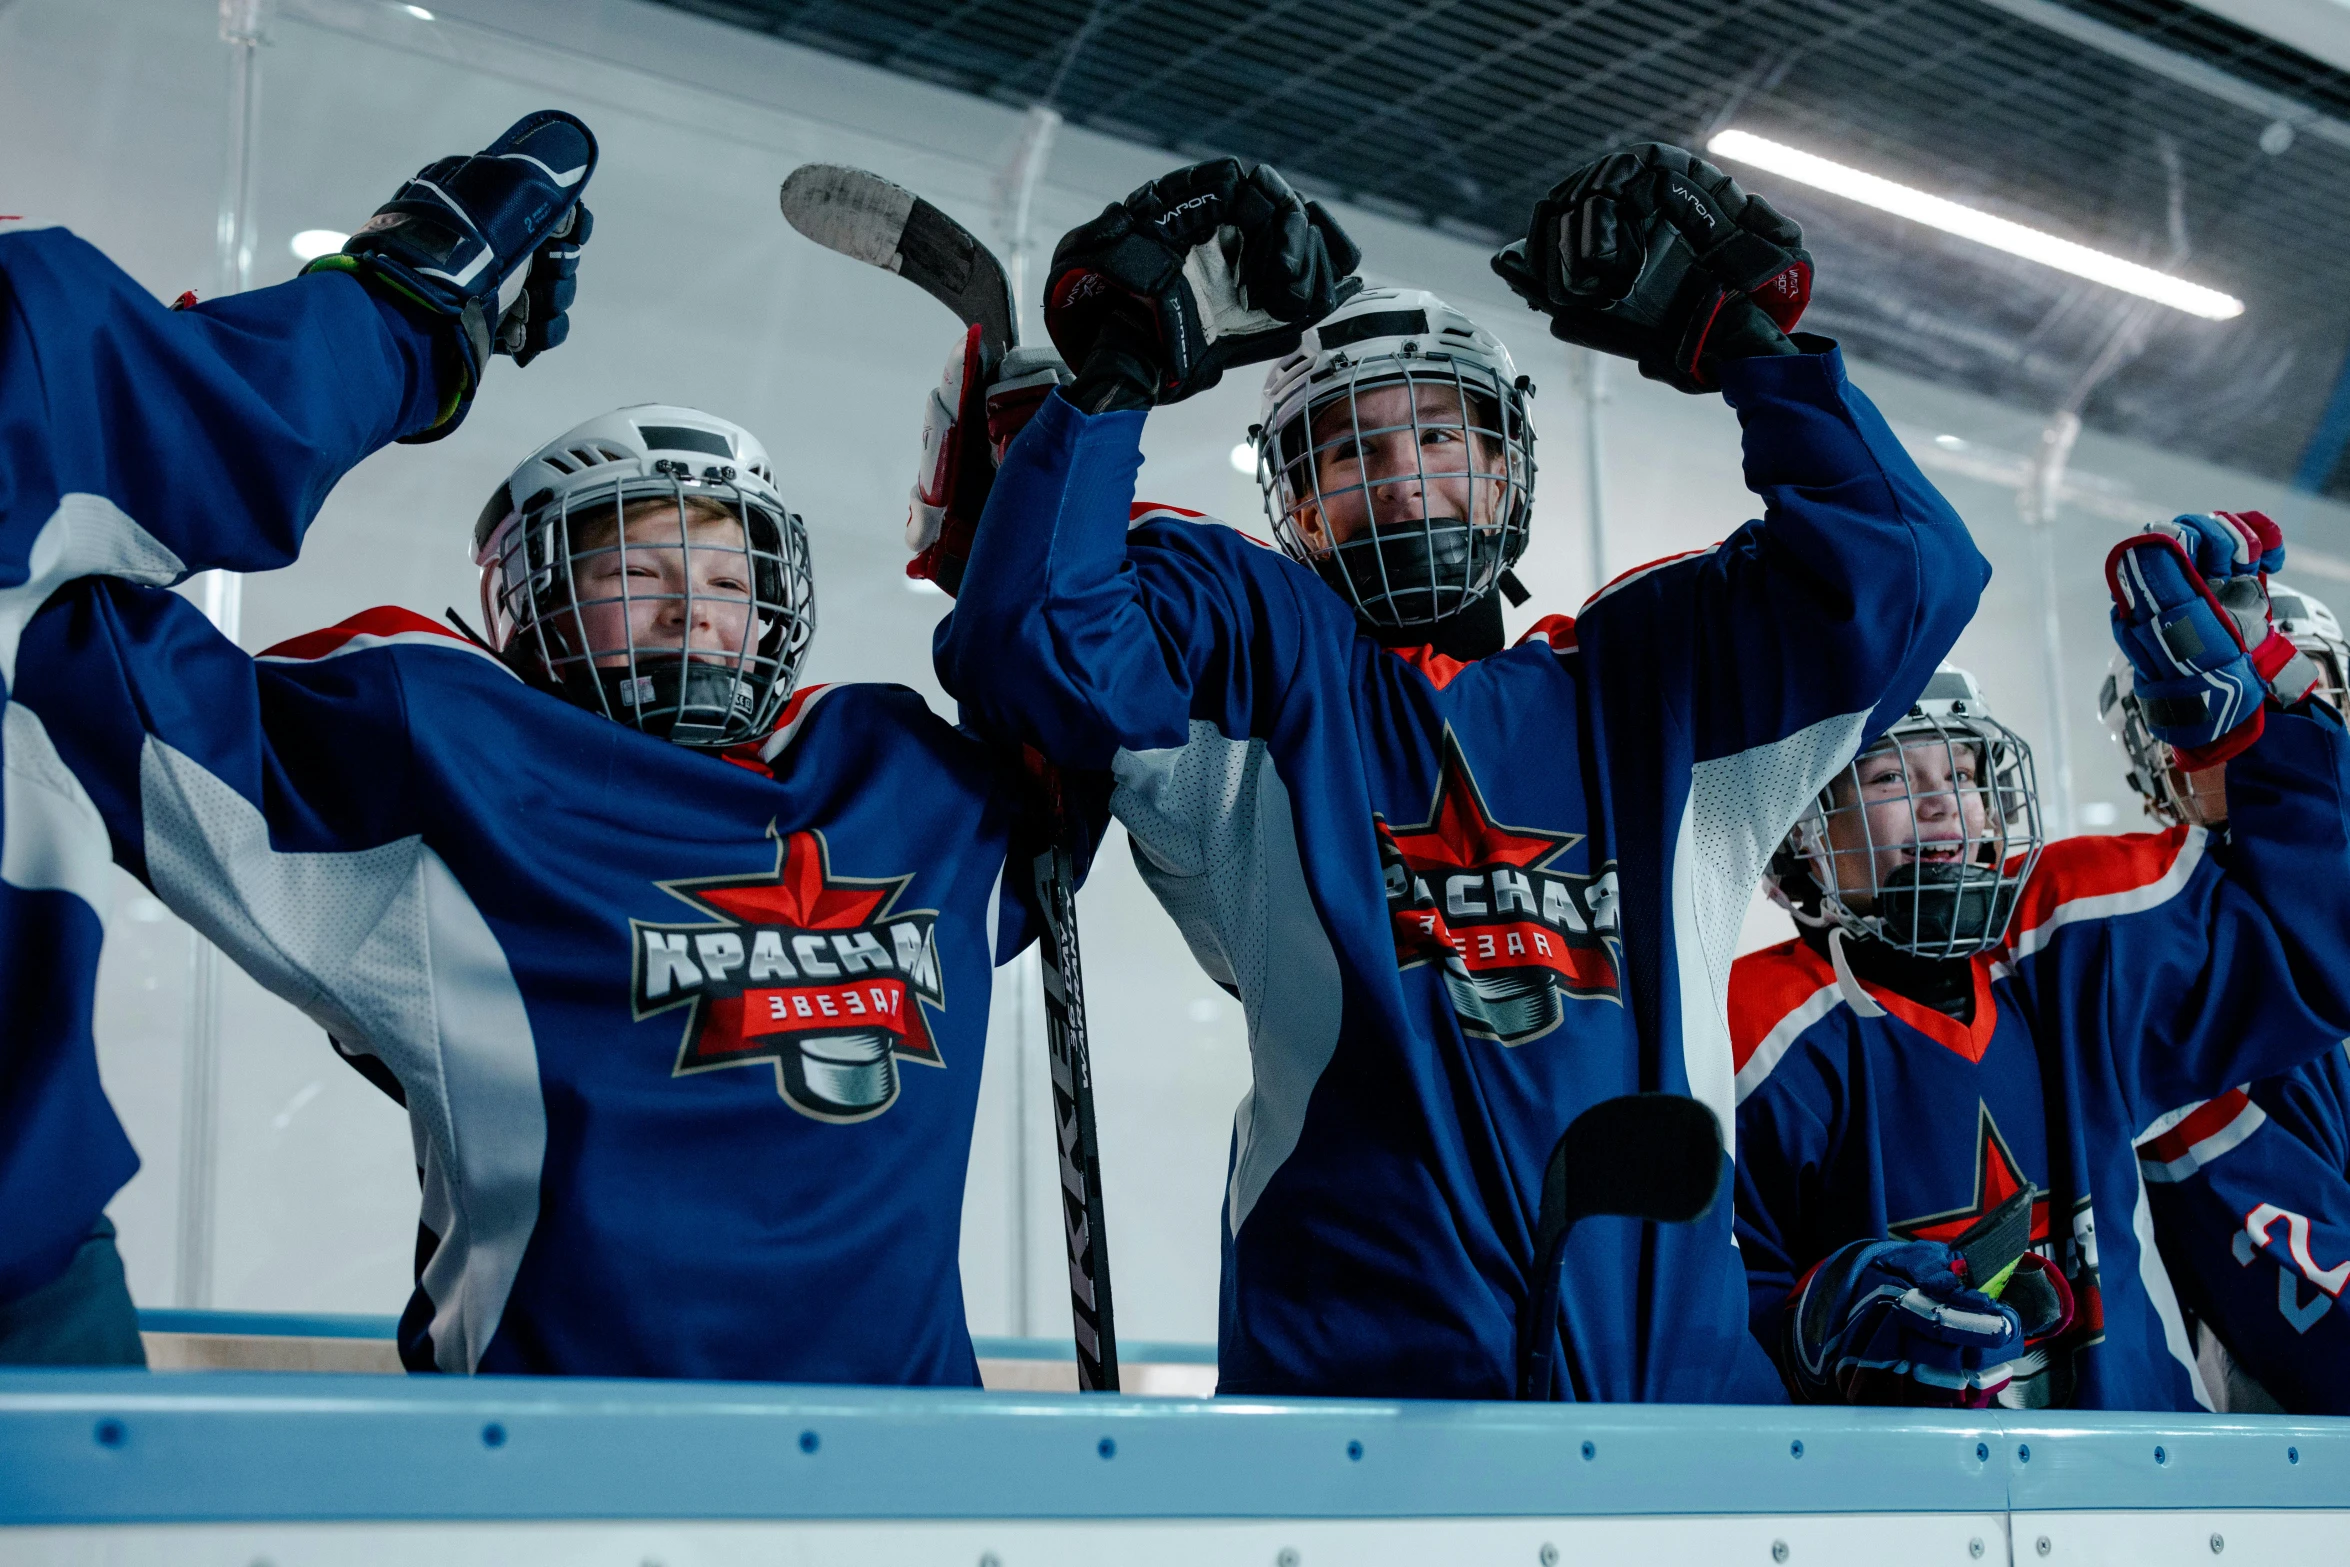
pixel 1461 832
pixel 1997 1178
pixel 1512 936
pixel 821 975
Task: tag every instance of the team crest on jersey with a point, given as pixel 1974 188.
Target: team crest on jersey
pixel 822 975
pixel 1513 938
pixel 1998 1177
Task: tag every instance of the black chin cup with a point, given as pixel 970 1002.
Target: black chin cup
pixel 691 701
pixel 1938 909
pixel 1416 573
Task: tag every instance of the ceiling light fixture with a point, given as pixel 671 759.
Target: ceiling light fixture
pixel 311 244
pixel 1968 223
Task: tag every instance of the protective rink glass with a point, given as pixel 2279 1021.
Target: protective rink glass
pixel 678 603
pixel 1924 843
pixel 1405 480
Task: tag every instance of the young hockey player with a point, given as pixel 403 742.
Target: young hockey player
pixel 1972 1029
pixel 682 975
pixel 2250 1192
pixel 1463 894
pixel 147 445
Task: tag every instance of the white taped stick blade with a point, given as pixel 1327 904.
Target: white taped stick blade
pixel 853 211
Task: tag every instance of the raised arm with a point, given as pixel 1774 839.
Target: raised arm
pixel 1056 638
pixel 142 444
pixel 1081 641
pixel 149 443
pixel 2214 973
pixel 1835 606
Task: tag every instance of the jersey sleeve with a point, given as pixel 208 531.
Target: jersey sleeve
pixel 267 808
pixel 2196 962
pixel 2250 1196
pixel 148 443
pixel 209 772
pixel 1085 816
pixel 1781 1148
pixel 139 444
pixel 1073 638
pixel 1786 1128
pixel 1833 608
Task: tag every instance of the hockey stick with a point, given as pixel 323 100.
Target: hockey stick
pixel 865 217
pixel 1643 1156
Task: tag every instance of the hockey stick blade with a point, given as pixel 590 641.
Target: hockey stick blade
pixel 1656 1157
pixel 869 219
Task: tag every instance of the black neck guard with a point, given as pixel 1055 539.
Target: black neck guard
pixel 1467 636
pixel 1945 984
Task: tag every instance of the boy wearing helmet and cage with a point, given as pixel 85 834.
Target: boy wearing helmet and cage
pixel 1941 1078
pixel 680 972
pixel 1316 750
pixel 2250 1191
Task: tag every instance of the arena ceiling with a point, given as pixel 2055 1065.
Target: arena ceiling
pixel 2144 127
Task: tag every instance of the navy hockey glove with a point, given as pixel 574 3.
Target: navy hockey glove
pixel 2191 613
pixel 1894 1322
pixel 1654 254
pixel 1211 266
pixel 490 242
pixel 969 419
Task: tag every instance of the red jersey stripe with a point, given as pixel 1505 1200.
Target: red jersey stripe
pixel 384 626
pixel 2100 878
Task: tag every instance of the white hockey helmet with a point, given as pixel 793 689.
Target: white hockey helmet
pixel 1924 843
pixel 560 512
pixel 2170 793
pixel 1442 526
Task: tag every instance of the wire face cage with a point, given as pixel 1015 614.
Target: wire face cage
pixel 677 603
pixel 1404 477
pixel 1925 841
pixel 2170 793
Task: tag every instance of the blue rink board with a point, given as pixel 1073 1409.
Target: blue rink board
pixel 132 1447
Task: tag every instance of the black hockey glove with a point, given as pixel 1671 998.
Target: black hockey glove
pixel 1654 254
pixel 1211 266
pixel 490 242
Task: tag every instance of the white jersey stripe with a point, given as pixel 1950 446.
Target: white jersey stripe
pixel 2110 905
pixel 1783 1035
pixel 1740 807
pixel 2242 1125
pixel 2160 1294
pixel 383 949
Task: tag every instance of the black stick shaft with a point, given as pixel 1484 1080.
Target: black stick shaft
pixel 1082 1221
pixel 1538 1380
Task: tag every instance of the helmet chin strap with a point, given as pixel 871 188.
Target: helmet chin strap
pixel 1847 983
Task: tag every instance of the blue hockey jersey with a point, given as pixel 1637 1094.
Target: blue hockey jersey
pixel 1462 903
pixel 690 1044
pixel 2251 1200
pixel 2140 972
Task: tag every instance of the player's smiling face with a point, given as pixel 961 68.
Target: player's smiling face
pixel 1415 459
pixel 676 585
pixel 1923 803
